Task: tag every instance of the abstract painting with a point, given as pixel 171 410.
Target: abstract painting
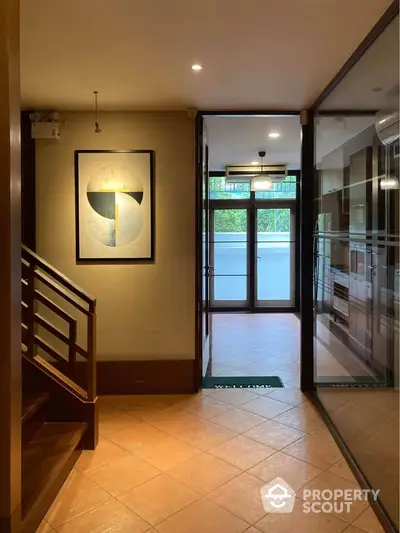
pixel 114 196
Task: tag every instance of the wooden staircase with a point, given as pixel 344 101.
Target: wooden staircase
pixel 59 414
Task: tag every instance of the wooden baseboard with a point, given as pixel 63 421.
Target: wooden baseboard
pixel 146 377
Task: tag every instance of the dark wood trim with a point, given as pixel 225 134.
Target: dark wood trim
pixel 345 113
pixel 297 247
pixel 389 15
pixel 198 374
pixel 377 506
pixel 28 183
pixel 10 267
pixel 147 377
pixel 122 261
pixel 306 253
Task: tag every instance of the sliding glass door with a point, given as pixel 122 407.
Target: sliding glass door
pixel 252 255
pixel 275 264
pixel 229 257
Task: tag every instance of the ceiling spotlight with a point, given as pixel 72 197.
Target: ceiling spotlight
pixel 197 67
pixel 274 135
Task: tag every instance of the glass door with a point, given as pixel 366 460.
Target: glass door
pixel 229 257
pixel 275 256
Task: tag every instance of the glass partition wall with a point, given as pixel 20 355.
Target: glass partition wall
pixel 357 264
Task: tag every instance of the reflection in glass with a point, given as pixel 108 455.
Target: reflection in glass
pixel 357 266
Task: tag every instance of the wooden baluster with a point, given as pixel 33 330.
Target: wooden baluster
pixel 72 345
pixel 30 310
pixel 91 349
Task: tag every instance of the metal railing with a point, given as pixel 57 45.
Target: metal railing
pixel 48 296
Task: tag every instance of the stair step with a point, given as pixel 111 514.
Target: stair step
pixel 32 401
pixel 47 460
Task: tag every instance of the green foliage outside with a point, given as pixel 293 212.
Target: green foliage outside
pixel 235 220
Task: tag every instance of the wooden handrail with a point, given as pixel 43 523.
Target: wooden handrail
pixel 36 270
pixel 59 276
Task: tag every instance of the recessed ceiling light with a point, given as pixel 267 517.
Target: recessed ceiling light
pixel 197 67
pixel 274 135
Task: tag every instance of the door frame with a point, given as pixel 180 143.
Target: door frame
pixel 198 359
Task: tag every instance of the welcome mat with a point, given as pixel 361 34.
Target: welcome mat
pixel 252 382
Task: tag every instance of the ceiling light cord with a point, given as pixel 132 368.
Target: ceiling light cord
pixel 97 128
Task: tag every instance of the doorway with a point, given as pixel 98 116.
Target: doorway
pixel 252 254
pixel 250 235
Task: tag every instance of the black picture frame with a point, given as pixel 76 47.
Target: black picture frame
pixel 148 258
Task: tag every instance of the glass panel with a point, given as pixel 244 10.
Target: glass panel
pixel 274 254
pixel 357 268
pixel 284 189
pixel 221 190
pixel 230 254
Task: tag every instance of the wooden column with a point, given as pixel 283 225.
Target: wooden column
pixel 10 269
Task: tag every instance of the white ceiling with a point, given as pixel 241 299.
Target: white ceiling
pixel 264 54
pixel 237 140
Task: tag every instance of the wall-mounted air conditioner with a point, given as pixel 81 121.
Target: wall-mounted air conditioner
pixel 245 173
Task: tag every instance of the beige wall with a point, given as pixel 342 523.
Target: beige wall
pixel 145 311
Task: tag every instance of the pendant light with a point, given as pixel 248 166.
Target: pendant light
pixel 97 128
pixel 261 182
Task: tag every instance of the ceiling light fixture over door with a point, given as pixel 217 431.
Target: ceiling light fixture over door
pixel 261 182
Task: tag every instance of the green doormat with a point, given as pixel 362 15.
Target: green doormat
pixel 253 382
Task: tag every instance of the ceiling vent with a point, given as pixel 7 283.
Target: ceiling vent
pixel 245 173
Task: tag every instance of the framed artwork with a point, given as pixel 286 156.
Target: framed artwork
pixel 114 205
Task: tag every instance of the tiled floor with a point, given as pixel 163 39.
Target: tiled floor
pixel 196 464
pixel 368 420
pixel 269 345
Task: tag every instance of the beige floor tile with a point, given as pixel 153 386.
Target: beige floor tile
pixel 78 495
pixel 123 474
pixel 168 453
pixel 242 452
pixel 158 498
pixel 111 517
pixel 235 397
pixel 137 437
pixel 44 528
pixel 342 469
pixel 266 407
pixel 112 422
pixel 204 434
pixel 250 530
pixel 203 516
pixel 300 522
pixel 106 451
pixel 172 420
pixel 299 418
pixel 350 529
pixel 241 497
pixel 322 432
pixel 327 481
pixel 368 522
pixel 204 473
pixel 295 472
pixel 293 397
pixel 238 420
pixel 316 451
pixel 275 435
pixel 205 407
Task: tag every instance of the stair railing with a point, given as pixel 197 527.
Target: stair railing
pixel 47 289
